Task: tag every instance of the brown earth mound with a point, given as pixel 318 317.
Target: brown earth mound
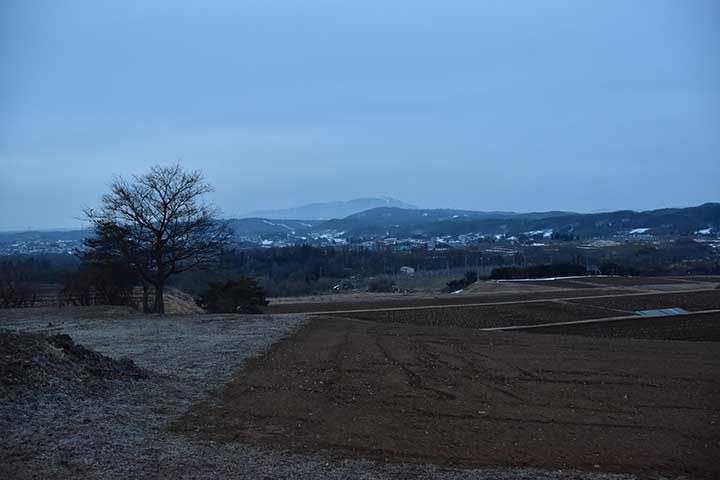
pixel 32 362
pixel 179 302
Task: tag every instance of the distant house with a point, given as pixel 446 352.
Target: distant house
pixel 407 270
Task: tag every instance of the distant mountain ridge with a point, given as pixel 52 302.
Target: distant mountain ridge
pixel 259 227
pixel 384 218
pixel 429 223
pixel 395 222
pixel 329 210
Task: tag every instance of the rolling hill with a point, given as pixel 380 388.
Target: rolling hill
pixel 406 223
pixel 421 221
pixel 329 210
pixel 383 222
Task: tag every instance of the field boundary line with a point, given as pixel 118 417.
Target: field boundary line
pixel 594 320
pixel 513 302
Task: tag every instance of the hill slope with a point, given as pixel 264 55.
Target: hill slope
pixel 328 210
pixel 405 223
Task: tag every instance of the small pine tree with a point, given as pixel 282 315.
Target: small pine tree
pixel 242 295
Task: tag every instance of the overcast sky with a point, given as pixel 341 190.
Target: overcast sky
pixel 488 105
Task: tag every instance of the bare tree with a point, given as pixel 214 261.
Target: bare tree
pixel 112 244
pixel 159 225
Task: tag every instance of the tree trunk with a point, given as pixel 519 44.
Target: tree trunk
pixel 145 297
pixel 159 300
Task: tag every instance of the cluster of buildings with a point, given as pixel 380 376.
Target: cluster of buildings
pixel 502 243
pixel 39 246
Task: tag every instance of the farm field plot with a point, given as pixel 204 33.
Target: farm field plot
pixel 454 396
pixel 523 312
pixel 387 393
pixel 637 281
pixel 701 278
pixel 373 303
pixel 561 283
pixel 691 301
pixel 117 428
pixel 490 316
pixel 493 292
pixel 704 327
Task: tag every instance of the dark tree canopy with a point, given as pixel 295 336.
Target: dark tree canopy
pixel 158 224
pixel 242 295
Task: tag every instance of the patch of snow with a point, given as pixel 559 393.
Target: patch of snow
pixel 278 225
pixel 704 231
pixel 545 233
pixel 661 312
pixel 638 231
pixel 551 278
pixel 456 291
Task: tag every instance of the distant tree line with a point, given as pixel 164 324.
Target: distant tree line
pixel 306 269
pixel 111 283
pixel 15 288
pixel 240 295
pixel 459 284
pixel 22 277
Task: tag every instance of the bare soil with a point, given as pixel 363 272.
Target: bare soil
pixel 540 312
pixel 71 423
pixel 409 394
pixel 454 396
pixel 478 288
pixel 636 281
pixel 691 301
pixel 489 316
pixel 371 302
pixel 703 327
pixel 31 362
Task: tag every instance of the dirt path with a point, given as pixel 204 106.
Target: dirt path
pixel 404 393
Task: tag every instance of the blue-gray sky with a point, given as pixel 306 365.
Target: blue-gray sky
pixel 488 105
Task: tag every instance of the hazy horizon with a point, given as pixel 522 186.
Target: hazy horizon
pixel 513 106
pixel 81 223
